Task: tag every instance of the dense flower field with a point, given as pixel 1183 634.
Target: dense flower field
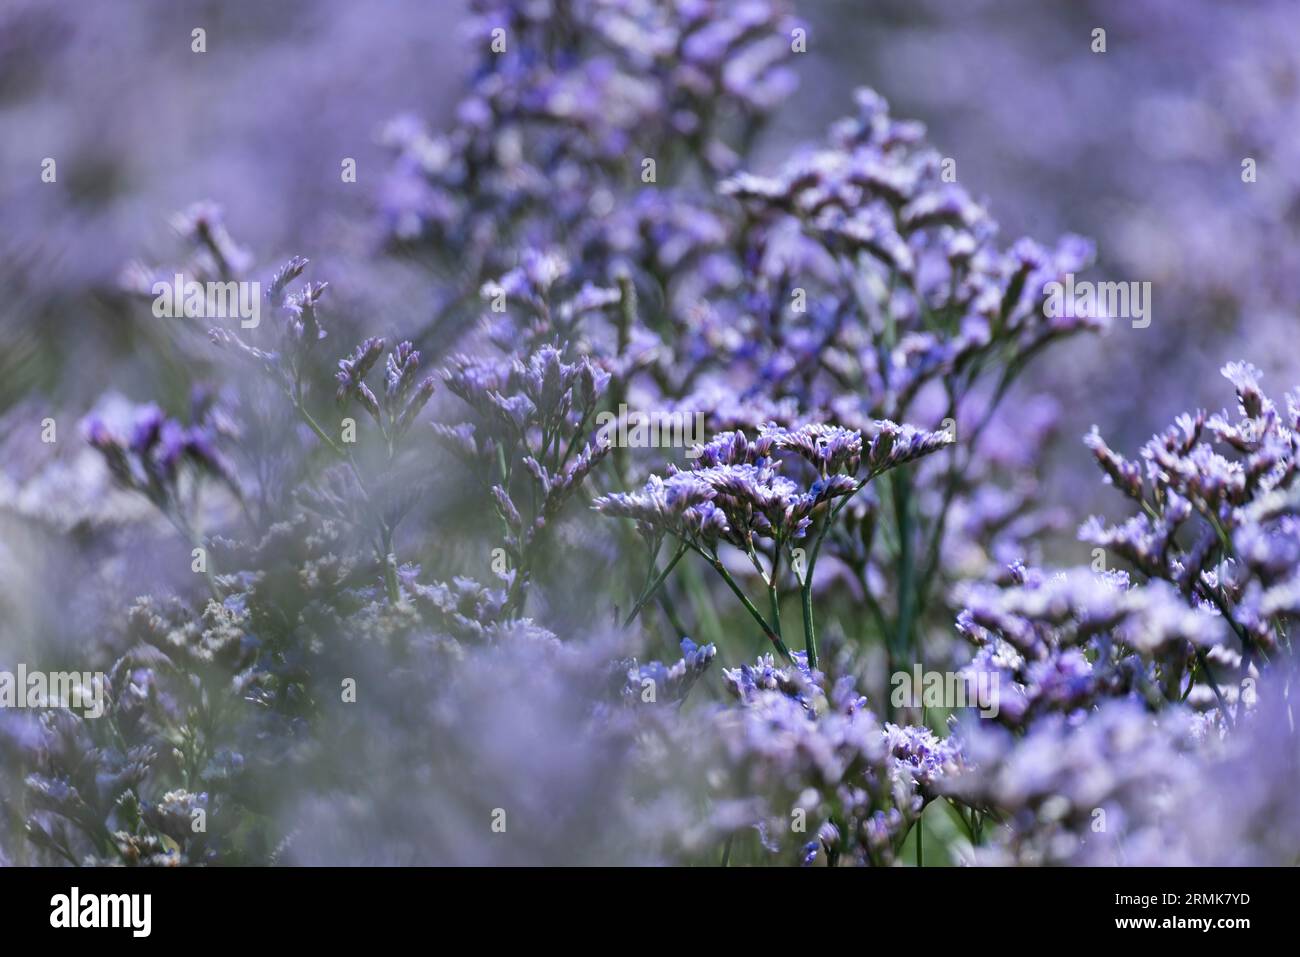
pixel 696 507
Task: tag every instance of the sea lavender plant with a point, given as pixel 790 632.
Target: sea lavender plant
pixel 167 461
pixel 739 493
pixel 1216 519
pixel 394 655
pixel 562 114
pixel 1068 641
pixel 1076 791
pixel 811 771
pixel 531 440
pixel 1157 678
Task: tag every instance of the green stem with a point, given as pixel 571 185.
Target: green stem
pixel 315 427
pixel 809 629
pixel 768 633
pixel 1214 686
pixel 961 818
pixel 654 587
pixel 806 586
pixel 707 622
pixel 390 568
pixel 773 599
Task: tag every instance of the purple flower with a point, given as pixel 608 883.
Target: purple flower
pixel 352 373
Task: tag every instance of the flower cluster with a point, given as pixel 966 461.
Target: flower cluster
pixel 542 134
pixel 1066 642
pixel 160 449
pixel 1216 518
pixel 1096 790
pixel 530 438
pixel 654 681
pixel 735 493
pixel 816 774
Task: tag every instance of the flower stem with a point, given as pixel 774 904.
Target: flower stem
pixel 768 632
pixel 654 587
pixel 809 629
pixel 1214 686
